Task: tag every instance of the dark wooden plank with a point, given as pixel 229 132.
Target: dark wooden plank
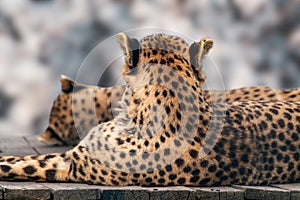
pixel 177 192
pixel 219 193
pixel 294 189
pixel 21 190
pixel 141 193
pixel 15 146
pixel 145 193
pixel 74 191
pixel 124 193
pixel 264 192
pixel 227 193
pixel 204 194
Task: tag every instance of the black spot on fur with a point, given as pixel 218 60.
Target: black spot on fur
pixel 172 177
pixel 187 169
pixel 49 156
pixel 162 138
pixel 181 181
pixel 274 111
pixel 120 141
pixel 161 181
pixel 104 172
pixel 42 163
pixel 75 155
pixel 29 169
pixel 148 180
pixel 178 115
pixel 171 93
pixel 168 168
pixel 81 171
pixel 156 145
pixel 204 181
pixel 168 110
pixel 173 130
pixel 194 179
pixel 179 162
pixel 165 93
pixel 5 168
pixel 193 153
pixel 204 163
pixel 137 101
pixel 146 143
pixel 212 168
pixel 163 62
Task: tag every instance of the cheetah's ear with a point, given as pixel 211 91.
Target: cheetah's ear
pixel 198 50
pixel 67 84
pixel 131 48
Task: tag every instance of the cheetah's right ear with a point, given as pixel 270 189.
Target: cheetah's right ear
pixel 198 50
pixel 67 84
pixel 131 48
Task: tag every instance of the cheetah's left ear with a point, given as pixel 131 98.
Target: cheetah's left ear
pixel 130 47
pixel 67 84
pixel 198 50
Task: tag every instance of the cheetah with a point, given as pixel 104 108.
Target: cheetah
pixel 166 133
pixel 93 105
pixel 77 109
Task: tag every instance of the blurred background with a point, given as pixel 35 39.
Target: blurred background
pixel 256 43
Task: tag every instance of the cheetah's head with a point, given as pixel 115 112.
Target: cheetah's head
pixel 162 72
pixel 163 50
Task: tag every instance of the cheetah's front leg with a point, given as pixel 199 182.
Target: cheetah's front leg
pixel 51 167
